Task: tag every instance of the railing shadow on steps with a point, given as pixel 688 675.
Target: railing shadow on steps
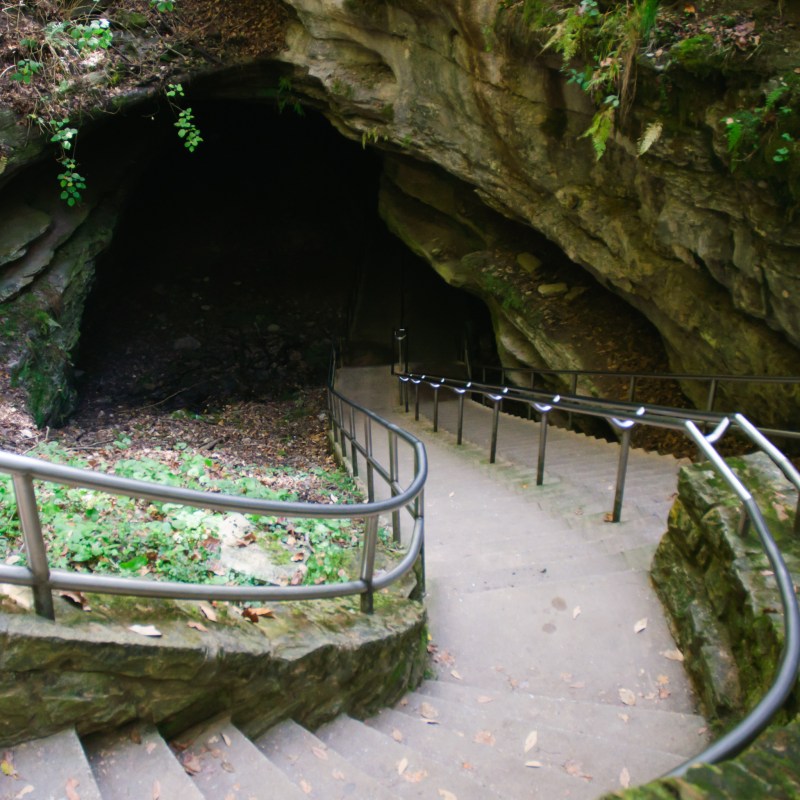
pixel 351 441
pixel 624 417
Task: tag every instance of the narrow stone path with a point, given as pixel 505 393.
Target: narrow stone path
pixel 535 602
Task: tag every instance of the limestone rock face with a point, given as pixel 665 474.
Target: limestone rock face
pixel 708 258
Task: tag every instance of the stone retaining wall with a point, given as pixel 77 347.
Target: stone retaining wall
pixel 311 661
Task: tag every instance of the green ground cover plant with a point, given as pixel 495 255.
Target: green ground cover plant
pixel 97 532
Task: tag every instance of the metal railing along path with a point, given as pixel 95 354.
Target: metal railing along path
pixel 624 417
pixel 351 441
pixel 572 377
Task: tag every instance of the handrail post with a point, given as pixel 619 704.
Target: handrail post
pixel 353 448
pixel 400 349
pixel 712 395
pixel 542 448
pixel 419 513
pixel 342 431
pixel 632 389
pixel 460 433
pixel 406 391
pixel 394 471
pixel 368 564
pixel 435 409
pixel 370 468
pixel 28 510
pixel 495 422
pixel 416 401
pixel 622 469
pixel 530 405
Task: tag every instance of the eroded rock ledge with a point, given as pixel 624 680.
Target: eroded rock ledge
pixel 312 661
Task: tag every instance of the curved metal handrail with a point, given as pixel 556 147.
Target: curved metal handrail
pixel 343 412
pixel 713 381
pixel 625 416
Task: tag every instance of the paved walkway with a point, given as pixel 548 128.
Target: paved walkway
pixel 536 600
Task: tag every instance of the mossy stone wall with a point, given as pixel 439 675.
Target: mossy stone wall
pixel 311 662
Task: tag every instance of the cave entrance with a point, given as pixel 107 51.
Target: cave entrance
pixel 234 268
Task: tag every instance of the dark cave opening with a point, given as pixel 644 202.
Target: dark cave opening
pixel 234 268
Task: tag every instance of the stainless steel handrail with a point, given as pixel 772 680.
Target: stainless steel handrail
pixel 713 381
pixel 342 413
pixel 624 417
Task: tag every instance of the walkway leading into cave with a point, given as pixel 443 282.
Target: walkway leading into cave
pixel 544 621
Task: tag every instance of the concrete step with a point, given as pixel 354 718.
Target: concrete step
pixel 589 758
pixel 578 632
pixel 632 724
pixel 523 553
pixel 134 762
pixel 51 768
pixel 407 772
pixel 224 763
pixel 566 566
pixel 316 769
pixel 475 750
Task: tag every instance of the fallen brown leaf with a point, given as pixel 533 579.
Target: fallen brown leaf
pixel 78 598
pixel 640 625
pixel 484 737
pixel 156 795
pixel 397 735
pixel 208 612
pixel 533 764
pixel 485 699
pixel 26 790
pixel 70 788
pixel 402 766
pixel 445 795
pixel 574 768
pixel 672 655
pixel 456 674
pixel 428 711
pixel 627 697
pixel 305 786
pixel 198 626
pixel 415 777
pixel 255 614
pixel 576 612
pixel 624 778
pixel 226 739
pixel 191 764
pixel 320 753
pixel 530 740
pixel 338 775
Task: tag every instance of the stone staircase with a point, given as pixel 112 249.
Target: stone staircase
pixel 556 675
